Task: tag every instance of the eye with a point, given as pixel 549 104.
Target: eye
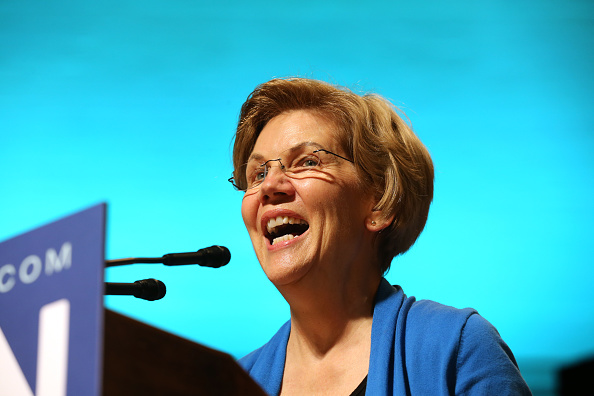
pixel 255 176
pixel 259 175
pixel 310 161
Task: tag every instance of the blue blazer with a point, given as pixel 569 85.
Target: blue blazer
pixel 417 348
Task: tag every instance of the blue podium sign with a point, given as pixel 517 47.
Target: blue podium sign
pixel 51 307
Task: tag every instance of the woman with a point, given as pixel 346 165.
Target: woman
pixel 336 185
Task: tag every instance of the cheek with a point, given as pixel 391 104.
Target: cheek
pixel 249 212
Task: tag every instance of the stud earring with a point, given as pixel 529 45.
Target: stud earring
pixel 372 222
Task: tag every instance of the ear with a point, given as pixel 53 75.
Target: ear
pixel 376 221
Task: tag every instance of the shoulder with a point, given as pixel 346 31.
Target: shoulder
pixel 418 321
pixel 452 331
pixel 429 321
pixel 266 364
pixel 432 338
pixel 462 348
pixel 484 362
pixel 268 351
pixel 431 312
pixel 247 362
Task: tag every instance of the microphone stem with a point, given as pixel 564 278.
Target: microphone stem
pixel 133 260
pixel 121 289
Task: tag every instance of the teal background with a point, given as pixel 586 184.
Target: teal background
pixel 135 103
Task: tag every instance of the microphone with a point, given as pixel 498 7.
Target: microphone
pixel 147 289
pixel 214 257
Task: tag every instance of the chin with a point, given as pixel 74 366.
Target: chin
pixel 284 271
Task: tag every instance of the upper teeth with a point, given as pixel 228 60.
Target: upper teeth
pixel 279 220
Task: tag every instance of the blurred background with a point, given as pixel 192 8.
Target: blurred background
pixel 135 104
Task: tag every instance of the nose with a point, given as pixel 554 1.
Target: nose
pixel 276 186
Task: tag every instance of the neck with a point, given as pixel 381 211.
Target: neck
pixel 328 312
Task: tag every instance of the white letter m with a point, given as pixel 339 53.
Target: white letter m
pixel 55 262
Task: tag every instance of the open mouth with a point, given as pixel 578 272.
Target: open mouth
pixel 284 228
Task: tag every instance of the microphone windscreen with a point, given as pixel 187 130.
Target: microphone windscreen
pixel 150 289
pixel 215 256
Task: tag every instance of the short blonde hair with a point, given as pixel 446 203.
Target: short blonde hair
pixel 392 161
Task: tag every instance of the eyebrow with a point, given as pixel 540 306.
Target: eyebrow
pixel 260 157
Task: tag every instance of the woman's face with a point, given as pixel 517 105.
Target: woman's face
pixel 326 211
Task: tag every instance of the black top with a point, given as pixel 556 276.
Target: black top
pixel 360 391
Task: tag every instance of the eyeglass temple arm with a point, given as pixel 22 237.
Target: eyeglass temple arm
pixel 339 156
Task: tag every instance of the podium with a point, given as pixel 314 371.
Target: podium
pixel 56 338
pixel 142 360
